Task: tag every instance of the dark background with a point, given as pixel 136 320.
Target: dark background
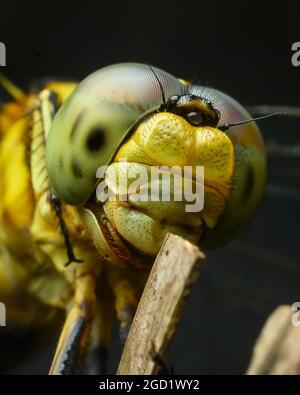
pixel 244 50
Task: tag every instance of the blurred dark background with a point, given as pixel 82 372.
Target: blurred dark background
pixel 244 50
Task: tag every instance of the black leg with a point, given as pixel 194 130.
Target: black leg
pixel 163 367
pixel 56 203
pixel 74 340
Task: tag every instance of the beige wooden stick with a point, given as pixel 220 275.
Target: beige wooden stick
pixel 174 271
pixel 277 350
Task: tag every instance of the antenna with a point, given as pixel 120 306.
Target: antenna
pixel 226 126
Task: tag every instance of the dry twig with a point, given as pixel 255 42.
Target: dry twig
pixel 277 350
pixel 174 271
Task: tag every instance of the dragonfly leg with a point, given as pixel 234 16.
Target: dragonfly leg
pixel 75 336
pixel 101 336
pixel 125 299
pixel 56 203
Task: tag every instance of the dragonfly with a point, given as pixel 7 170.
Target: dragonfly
pixel 60 269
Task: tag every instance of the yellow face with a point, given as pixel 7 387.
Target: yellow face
pixel 166 139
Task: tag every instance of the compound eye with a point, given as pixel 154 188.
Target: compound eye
pixel 195 118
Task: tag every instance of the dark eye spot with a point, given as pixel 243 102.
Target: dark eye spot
pixel 95 139
pixel 194 118
pixel 75 127
pixel 76 169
